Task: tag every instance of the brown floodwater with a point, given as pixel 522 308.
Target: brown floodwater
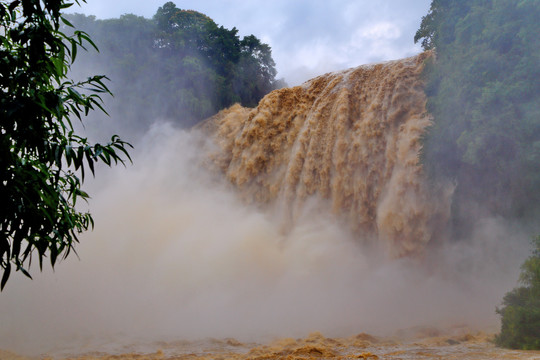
pixel 423 343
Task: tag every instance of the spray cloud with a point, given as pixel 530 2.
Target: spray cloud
pixel 176 254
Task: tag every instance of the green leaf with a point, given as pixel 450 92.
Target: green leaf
pixel 66 21
pixel 90 161
pixel 5 275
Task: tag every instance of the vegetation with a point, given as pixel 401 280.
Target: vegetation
pixel 179 65
pixel 42 159
pixel 521 308
pixel 483 92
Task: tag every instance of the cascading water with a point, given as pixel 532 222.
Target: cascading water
pixel 351 138
pixel 176 256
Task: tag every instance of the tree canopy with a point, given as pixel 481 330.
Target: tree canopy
pixel 179 65
pixel 42 158
pixel 483 93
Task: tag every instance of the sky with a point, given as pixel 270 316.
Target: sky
pixel 308 37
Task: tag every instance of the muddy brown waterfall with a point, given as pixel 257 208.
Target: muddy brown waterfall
pixel 350 139
pixel 323 169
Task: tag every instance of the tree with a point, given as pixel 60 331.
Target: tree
pixel 520 314
pixel 483 94
pixel 255 71
pixel 180 66
pixel 42 159
pixel 438 26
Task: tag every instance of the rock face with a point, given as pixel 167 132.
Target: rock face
pixel 350 139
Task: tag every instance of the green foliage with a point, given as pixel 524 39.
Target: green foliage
pixel 178 65
pixel 520 313
pixel 42 160
pixel 483 92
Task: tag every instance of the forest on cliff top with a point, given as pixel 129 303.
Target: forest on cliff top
pixel 179 65
pixel 483 93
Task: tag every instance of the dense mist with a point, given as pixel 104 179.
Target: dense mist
pixel 178 253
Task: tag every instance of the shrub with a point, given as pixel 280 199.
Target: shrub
pixel 520 314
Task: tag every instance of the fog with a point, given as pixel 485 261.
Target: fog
pixel 176 255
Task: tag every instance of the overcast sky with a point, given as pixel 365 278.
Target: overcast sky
pixel 308 37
